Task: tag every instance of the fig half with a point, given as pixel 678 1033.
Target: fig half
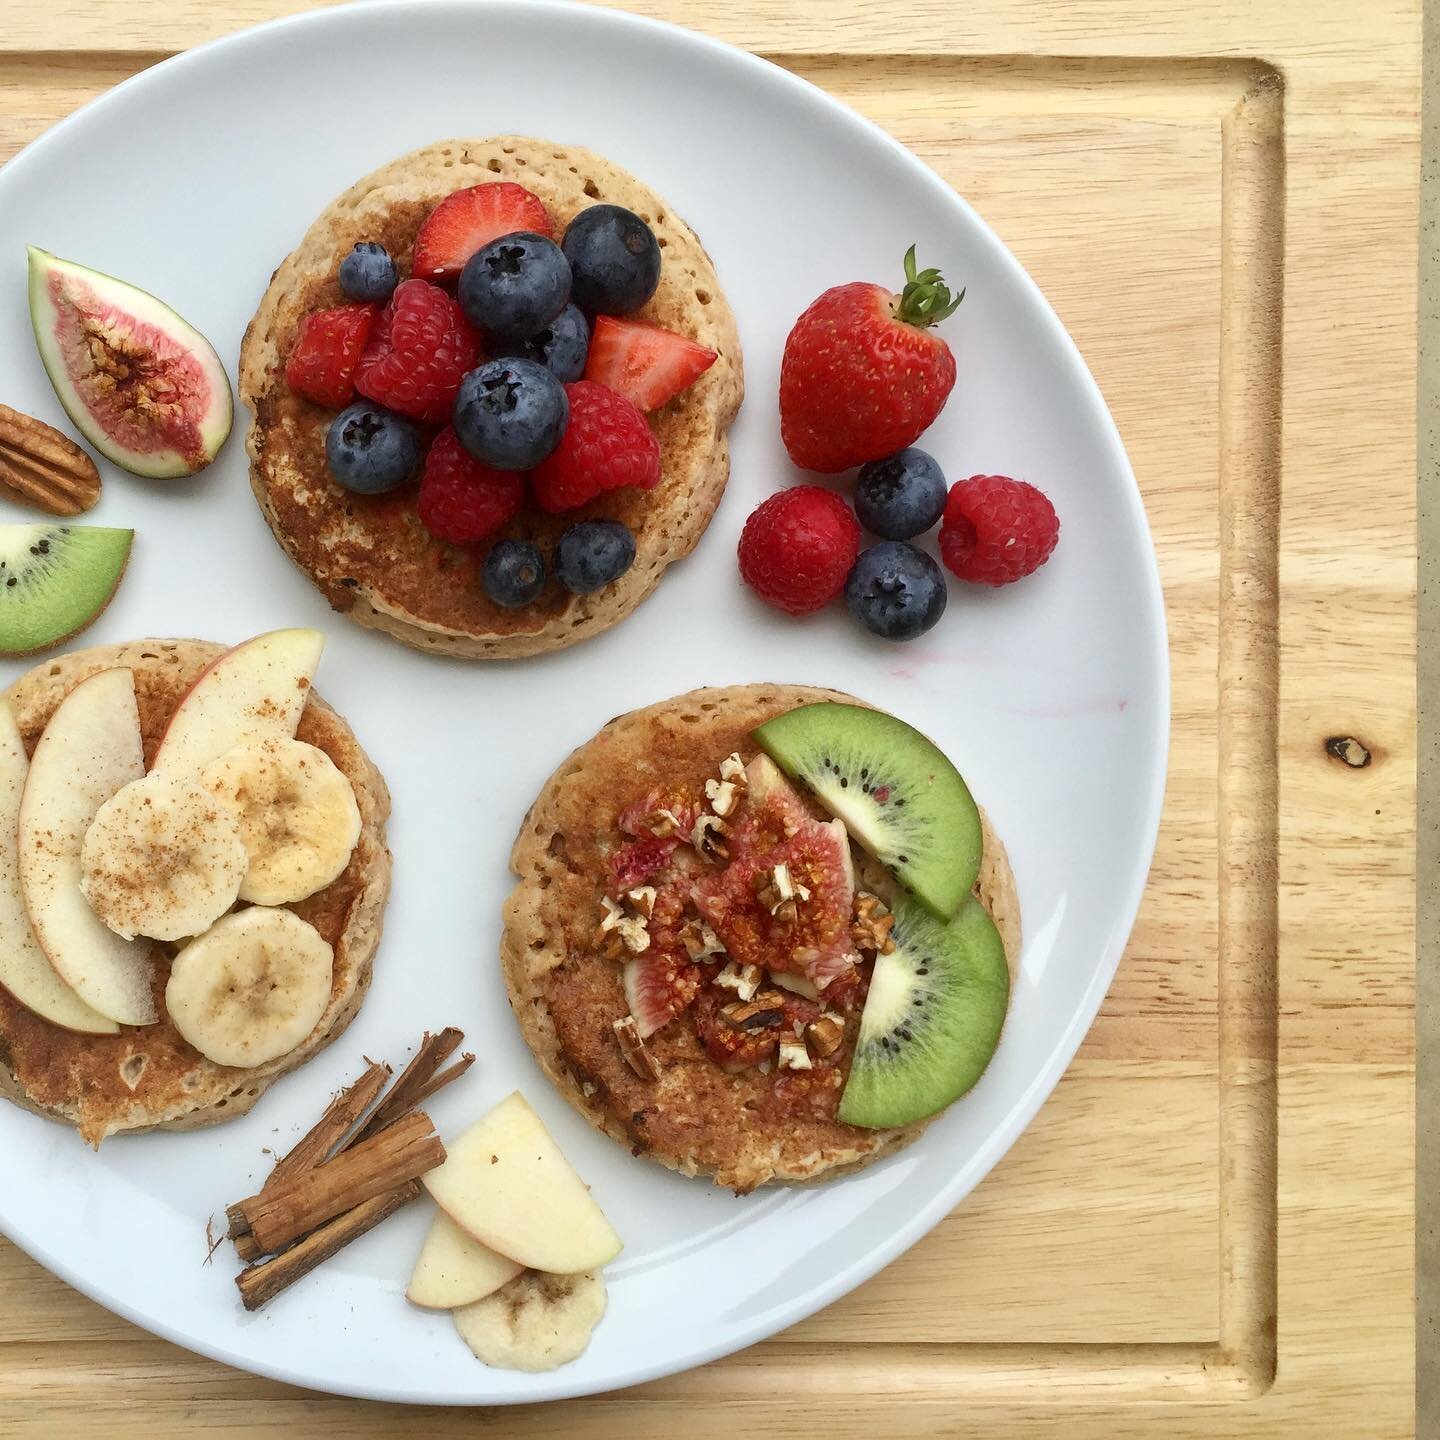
pixel 145 388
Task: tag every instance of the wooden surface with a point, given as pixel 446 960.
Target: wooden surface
pixel 1208 1230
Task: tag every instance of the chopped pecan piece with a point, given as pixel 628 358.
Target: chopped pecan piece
pixel 619 932
pixel 786 912
pixel 662 823
pixel 764 1012
pixel 723 795
pixel 744 981
pixel 700 940
pixel 633 1048
pixel 642 897
pixel 794 1056
pixel 871 924
pixel 825 1034
pixel 780 894
pixel 708 837
pixel 732 768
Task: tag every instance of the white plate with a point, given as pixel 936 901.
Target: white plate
pixel 194 180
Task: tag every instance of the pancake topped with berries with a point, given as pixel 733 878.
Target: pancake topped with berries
pixel 760 933
pixel 539 500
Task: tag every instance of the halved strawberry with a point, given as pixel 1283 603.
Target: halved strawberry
pixel 646 364
pixel 461 223
pixel 321 367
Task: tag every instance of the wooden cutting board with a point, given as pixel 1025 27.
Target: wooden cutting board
pixel 1208 1230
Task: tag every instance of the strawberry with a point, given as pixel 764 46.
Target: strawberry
pixel 862 375
pixel 419 351
pixel 644 363
pixel 461 223
pixel 607 444
pixel 322 365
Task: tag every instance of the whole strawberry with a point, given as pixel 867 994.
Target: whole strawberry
pixel 996 530
pixel 798 547
pixel 863 375
pixel 461 500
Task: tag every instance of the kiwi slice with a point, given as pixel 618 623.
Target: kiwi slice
pixel 54 580
pixel 900 798
pixel 932 1018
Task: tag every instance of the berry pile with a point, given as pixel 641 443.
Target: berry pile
pixel 862 378
pixel 507 371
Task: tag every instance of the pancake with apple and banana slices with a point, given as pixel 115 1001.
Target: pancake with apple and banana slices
pixel 148 1077
pixel 370 555
pixel 703 993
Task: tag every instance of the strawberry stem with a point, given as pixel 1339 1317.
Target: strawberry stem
pixel 926 299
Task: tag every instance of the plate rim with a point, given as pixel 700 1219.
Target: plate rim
pixel 1018 1117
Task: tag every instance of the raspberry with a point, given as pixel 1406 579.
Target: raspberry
pixel 996 530
pixel 322 365
pixel 462 500
pixel 798 547
pixel 607 444
pixel 420 348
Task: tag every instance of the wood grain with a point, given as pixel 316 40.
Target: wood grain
pixel 1207 1232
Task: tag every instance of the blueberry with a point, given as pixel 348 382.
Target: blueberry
pixel 371 450
pixel 900 496
pixel 510 413
pixel 592 554
pixel 368 274
pixel 514 573
pixel 515 286
pixel 561 347
pixel 614 258
pixel 895 590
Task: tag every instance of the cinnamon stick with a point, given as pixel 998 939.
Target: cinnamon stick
pixel 440 1081
pixel 315 1145
pixel 331 1128
pixel 261 1283
pixel 405 1093
pixel 404 1151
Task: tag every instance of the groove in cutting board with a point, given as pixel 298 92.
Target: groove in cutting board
pixel 1253 179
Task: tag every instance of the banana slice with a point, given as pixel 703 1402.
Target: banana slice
pixel 297 813
pixel 252 987
pixel 536 1322
pixel 162 858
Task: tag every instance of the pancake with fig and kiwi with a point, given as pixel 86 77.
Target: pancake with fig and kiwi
pixel 373 556
pixel 761 933
pixel 134 1077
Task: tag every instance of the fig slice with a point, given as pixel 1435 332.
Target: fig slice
pixel 145 388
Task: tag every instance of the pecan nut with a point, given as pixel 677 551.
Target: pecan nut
pixel 871 925
pixel 44 468
pixel 634 1049
pixel 825 1034
pixel 765 1012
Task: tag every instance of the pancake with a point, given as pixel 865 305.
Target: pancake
pixel 695 1118
pixel 148 1078
pixel 370 556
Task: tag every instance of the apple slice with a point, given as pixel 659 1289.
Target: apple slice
pixel 24 970
pixel 454 1269
pixel 254 692
pixel 507 1185
pixel 90 748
